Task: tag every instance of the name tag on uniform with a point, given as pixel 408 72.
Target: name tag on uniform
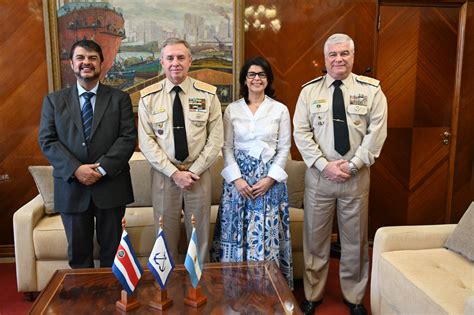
pixel 197 105
pixel 319 106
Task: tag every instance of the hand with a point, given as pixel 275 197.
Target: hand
pixel 87 175
pixel 244 189
pixel 262 186
pixel 334 171
pixel 345 168
pixel 184 179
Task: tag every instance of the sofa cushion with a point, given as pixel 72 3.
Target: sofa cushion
pixel 141 182
pixel 430 281
pixel 49 239
pixel 43 177
pixel 296 228
pixel 216 180
pixel 141 229
pixel 461 240
pixel 295 182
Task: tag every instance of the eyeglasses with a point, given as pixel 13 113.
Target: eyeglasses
pixel 252 75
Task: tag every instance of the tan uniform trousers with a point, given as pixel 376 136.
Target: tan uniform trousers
pixel 169 200
pixel 350 199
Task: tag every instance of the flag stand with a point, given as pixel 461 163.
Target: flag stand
pixel 128 302
pixel 195 297
pixel 161 300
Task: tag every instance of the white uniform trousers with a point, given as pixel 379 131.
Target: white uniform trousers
pixel 322 198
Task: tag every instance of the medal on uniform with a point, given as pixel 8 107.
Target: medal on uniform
pixel 359 99
pixel 197 105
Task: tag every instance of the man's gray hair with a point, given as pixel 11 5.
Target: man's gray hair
pixel 175 41
pixel 336 39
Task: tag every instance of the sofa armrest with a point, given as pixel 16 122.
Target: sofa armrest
pixel 24 221
pixel 393 238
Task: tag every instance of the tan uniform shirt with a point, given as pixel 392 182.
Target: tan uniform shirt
pixel 366 112
pixel 203 120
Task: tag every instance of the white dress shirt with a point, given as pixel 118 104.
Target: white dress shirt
pixel 82 101
pixel 265 134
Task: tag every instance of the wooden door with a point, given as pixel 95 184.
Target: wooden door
pixel 416 64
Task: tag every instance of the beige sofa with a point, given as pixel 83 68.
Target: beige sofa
pixel 413 273
pixel 40 241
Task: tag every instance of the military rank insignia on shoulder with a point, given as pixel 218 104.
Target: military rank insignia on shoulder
pixel 312 81
pixel 201 86
pixel 368 80
pixel 157 87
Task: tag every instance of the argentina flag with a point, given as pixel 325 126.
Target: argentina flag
pixel 192 263
pixel 126 267
pixel 160 262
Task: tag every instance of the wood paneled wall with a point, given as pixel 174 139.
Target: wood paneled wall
pixel 463 165
pixel 295 53
pixel 23 84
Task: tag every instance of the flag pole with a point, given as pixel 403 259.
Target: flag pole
pixel 195 298
pixel 161 300
pixel 126 302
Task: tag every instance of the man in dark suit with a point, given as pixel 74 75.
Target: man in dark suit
pixel 87 133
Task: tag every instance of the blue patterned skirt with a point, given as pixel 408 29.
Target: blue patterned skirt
pixel 254 229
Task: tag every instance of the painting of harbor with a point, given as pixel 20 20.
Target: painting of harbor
pixel 130 33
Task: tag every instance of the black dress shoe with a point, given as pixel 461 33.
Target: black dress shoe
pixel 307 307
pixel 356 309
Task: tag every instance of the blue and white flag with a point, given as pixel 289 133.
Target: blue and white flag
pixel 192 263
pixel 126 267
pixel 160 262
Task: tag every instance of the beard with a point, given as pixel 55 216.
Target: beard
pixel 92 78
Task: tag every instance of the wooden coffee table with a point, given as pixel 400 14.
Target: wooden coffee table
pixel 231 288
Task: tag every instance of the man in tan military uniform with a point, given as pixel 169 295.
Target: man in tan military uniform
pixel 336 181
pixel 180 184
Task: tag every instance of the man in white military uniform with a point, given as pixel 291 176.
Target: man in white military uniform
pixel 340 125
pixel 180 132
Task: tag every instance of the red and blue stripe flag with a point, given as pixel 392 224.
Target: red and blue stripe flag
pixel 126 267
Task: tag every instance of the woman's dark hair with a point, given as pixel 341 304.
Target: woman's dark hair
pixel 87 45
pixel 255 61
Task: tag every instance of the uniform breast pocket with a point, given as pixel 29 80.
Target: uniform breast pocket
pixel 319 114
pixel 198 120
pixel 358 114
pixel 160 124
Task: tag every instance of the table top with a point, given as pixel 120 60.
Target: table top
pixel 230 288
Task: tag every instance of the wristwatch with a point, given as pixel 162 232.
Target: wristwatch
pixel 353 168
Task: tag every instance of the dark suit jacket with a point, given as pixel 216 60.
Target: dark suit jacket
pixel 112 143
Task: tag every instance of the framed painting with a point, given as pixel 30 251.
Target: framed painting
pixel 130 33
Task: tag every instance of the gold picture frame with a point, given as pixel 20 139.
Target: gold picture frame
pixel 215 38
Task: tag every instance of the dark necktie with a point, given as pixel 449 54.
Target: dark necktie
pixel 179 128
pixel 341 133
pixel 87 115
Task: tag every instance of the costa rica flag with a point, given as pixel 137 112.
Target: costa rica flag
pixel 126 267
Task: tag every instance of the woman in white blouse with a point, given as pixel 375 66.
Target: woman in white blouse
pixel 253 217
